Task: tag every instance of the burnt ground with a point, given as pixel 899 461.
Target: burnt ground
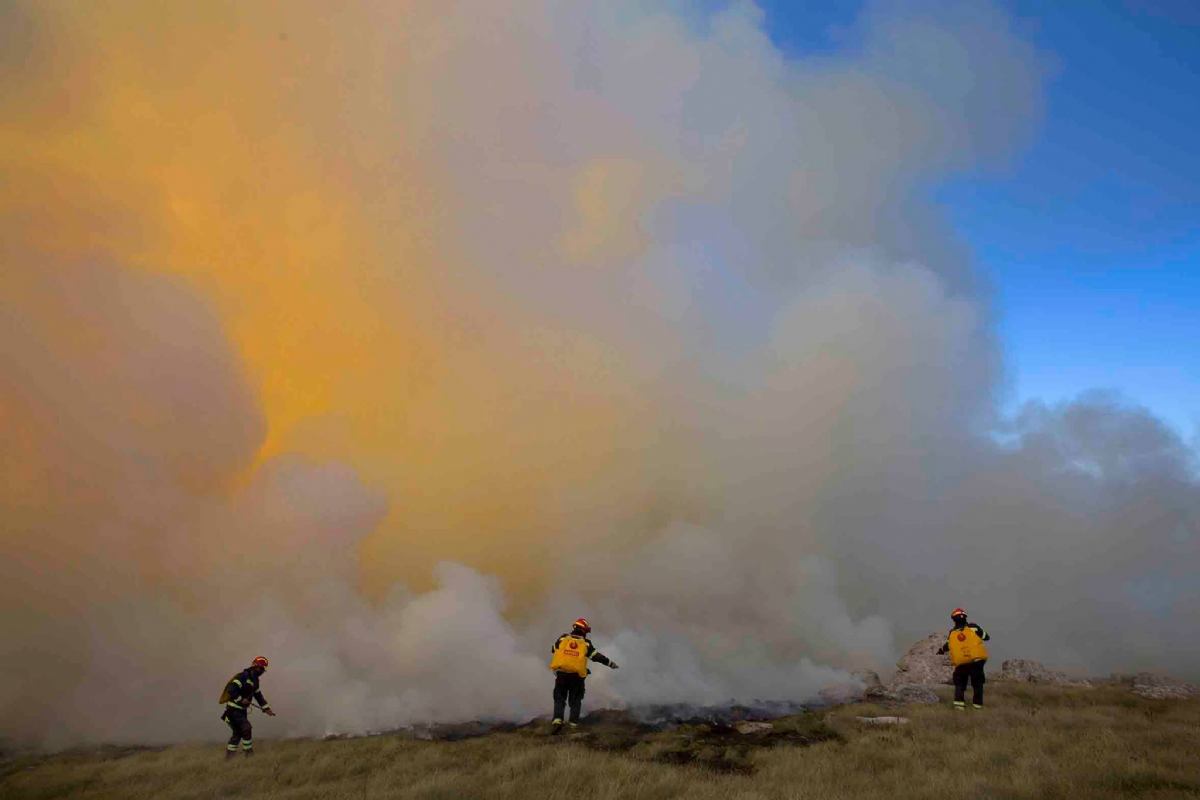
pixel 720 738
pixel 726 746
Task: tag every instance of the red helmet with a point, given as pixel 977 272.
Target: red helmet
pixel 958 612
pixel 259 661
pixel 582 624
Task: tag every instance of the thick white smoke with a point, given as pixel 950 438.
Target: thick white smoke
pixel 683 312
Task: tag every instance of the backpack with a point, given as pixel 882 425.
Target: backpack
pixel 571 656
pixel 966 646
pixel 225 698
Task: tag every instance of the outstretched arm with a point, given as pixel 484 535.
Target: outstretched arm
pixel 600 658
pixel 263 704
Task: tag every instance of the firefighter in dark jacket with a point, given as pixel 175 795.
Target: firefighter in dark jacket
pixel 241 689
pixel 968 654
pixel 571 652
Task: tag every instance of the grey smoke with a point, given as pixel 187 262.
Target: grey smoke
pixel 809 467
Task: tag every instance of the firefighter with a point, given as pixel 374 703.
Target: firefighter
pixel 968 654
pixel 571 652
pixel 241 689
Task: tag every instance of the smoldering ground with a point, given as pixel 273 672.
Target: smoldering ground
pixel 386 341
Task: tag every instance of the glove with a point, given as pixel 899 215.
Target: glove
pixel 268 712
pixel 613 665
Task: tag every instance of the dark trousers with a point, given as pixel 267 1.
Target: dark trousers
pixel 972 672
pixel 568 690
pixel 238 722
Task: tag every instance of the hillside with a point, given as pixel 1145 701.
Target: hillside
pixel 1031 742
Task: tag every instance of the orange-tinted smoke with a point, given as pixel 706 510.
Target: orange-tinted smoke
pixel 274 156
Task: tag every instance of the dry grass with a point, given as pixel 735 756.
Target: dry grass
pixel 1029 743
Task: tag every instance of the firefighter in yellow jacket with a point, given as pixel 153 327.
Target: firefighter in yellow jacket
pixel 968 654
pixel 571 652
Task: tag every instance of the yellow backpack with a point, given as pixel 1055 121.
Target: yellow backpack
pixel 966 647
pixel 571 656
pixel 225 698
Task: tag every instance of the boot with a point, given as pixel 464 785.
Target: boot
pixel 248 753
pixel 556 727
pixel 230 754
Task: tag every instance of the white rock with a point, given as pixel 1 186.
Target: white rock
pixel 869 677
pixel 1160 687
pixel 922 666
pixel 1022 670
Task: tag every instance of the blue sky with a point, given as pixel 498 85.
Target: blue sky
pixel 1091 237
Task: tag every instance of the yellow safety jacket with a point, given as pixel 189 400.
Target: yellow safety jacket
pixel 966 646
pixel 571 655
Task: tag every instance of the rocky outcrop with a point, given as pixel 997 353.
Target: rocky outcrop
pixel 840 694
pixel 1023 670
pixel 854 690
pixel 917 672
pixel 869 677
pixel 1158 687
pixel 922 666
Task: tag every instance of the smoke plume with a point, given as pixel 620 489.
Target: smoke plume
pixel 384 341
